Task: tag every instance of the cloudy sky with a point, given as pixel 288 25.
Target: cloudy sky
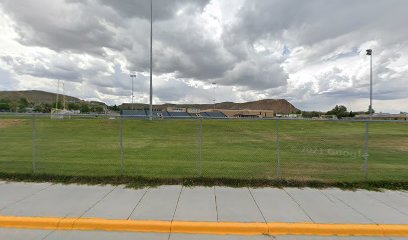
pixel 311 53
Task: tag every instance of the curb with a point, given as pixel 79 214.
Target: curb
pixel 215 228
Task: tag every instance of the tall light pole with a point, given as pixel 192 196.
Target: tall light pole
pixel 370 108
pixel 132 76
pixel 151 60
pixel 58 89
pixel 214 86
pixel 370 112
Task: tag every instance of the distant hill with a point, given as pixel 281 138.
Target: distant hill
pixel 38 97
pixel 277 105
pixel 35 96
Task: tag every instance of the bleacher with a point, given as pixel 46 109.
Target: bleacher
pixel 165 114
pixel 156 114
pixel 204 114
pixel 213 114
pixel 134 113
pixel 179 114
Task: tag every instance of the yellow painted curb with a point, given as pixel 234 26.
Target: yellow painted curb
pixel 237 228
pixel 216 228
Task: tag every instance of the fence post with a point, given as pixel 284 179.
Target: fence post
pixel 201 147
pixel 278 143
pixel 366 152
pixel 33 144
pixel 121 145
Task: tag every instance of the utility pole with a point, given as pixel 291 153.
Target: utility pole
pixel 151 61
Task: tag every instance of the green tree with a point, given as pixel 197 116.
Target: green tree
pixel 4 107
pixel 97 109
pixel 311 114
pixel 59 106
pixel 22 104
pixel 73 106
pixel 13 106
pixel 114 108
pixel 368 111
pixel 339 110
pixel 47 107
pixel 84 108
pixel 39 108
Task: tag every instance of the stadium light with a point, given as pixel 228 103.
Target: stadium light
pixel 132 76
pixel 214 84
pixel 151 61
pixel 369 52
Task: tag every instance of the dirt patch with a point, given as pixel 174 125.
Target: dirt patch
pixel 7 123
pixel 288 137
pixel 394 144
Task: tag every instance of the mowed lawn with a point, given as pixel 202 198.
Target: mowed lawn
pixel 230 148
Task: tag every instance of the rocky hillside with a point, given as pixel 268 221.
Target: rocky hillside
pixel 34 96
pixel 277 105
pixel 40 97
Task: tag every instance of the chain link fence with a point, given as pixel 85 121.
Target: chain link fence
pixel 16 146
pixel 161 148
pixel 239 148
pixel 105 145
pixel 322 149
pixel 78 145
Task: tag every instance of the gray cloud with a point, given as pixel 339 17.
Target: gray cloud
pixel 7 82
pixel 58 67
pixel 256 75
pixel 296 49
pixel 60 26
pixel 163 9
pixel 309 22
pixel 41 70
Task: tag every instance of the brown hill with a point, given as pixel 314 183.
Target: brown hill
pixel 35 96
pixel 38 97
pixel 277 105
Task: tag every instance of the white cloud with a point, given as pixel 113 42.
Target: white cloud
pixel 309 52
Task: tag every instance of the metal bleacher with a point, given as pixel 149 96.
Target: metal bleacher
pixel 165 114
pixel 213 114
pixel 179 114
pixel 204 114
pixel 134 113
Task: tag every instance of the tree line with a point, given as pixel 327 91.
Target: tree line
pixel 22 105
pixel 339 111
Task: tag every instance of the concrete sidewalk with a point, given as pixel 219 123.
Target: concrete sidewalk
pixel 204 204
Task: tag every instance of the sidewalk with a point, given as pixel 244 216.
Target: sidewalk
pixel 199 204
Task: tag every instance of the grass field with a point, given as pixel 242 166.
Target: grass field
pixel 240 149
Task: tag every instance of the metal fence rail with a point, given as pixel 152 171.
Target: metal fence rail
pixel 99 145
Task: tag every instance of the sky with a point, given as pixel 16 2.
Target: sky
pixel 311 53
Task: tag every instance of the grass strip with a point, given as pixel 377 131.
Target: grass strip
pixel 140 182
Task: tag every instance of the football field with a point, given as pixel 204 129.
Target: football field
pixel 175 148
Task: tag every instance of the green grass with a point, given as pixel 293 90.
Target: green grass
pixel 232 149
